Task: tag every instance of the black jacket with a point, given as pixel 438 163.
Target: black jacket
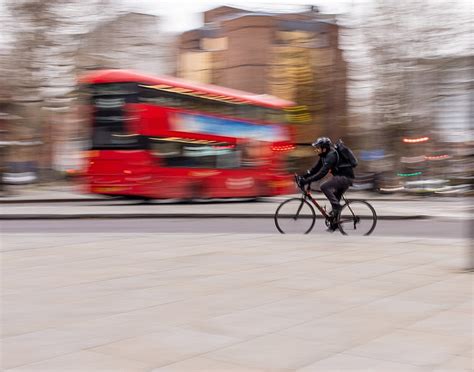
pixel 328 162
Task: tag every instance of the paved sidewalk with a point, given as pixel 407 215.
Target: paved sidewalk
pixel 228 302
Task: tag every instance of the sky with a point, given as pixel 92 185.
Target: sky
pixel 182 15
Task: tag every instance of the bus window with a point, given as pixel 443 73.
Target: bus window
pixel 227 156
pixel 169 152
pixel 200 156
pixel 109 126
pixel 164 150
pixel 181 153
pixel 222 108
pixel 275 116
pixel 157 97
pixel 222 156
pixel 205 105
pixel 187 153
pixel 186 102
pixel 126 91
pixel 110 117
pixel 250 112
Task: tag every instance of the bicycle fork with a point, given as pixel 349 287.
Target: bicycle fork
pixel 299 210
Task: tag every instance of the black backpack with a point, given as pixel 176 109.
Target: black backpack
pixel 346 157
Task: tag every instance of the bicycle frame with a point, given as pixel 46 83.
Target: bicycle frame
pixel 307 195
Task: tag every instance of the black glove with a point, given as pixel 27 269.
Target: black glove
pixel 302 181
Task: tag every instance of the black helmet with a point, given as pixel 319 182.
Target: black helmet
pixel 323 142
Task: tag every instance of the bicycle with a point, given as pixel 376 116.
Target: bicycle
pixel 297 215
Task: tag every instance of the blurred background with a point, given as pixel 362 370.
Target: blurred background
pixel 394 79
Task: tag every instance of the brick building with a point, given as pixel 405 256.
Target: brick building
pixel 295 56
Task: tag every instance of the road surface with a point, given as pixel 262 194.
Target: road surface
pixel 448 228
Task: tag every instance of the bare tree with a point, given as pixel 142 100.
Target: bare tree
pixel 40 67
pixel 399 54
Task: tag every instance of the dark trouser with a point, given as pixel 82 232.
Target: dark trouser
pixel 334 189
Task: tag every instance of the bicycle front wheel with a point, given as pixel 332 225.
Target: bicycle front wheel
pixel 295 216
pixel 357 217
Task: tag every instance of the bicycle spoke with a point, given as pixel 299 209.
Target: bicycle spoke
pixel 357 218
pixel 295 216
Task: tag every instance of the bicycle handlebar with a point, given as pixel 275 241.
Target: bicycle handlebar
pixel 301 187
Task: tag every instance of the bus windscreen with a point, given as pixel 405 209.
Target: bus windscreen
pixel 110 129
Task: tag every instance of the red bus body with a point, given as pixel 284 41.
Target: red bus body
pixel 155 137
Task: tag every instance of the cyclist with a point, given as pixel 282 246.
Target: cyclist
pixel 334 188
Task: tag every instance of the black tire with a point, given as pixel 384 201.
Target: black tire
pixel 295 216
pixel 357 218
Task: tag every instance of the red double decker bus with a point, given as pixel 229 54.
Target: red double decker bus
pixel 163 137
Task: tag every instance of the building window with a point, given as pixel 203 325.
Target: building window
pixel 321 40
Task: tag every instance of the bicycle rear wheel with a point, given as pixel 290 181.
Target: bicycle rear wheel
pixel 295 216
pixel 357 217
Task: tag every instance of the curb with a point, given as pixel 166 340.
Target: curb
pixel 20 217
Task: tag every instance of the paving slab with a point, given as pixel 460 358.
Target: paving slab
pixel 247 302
